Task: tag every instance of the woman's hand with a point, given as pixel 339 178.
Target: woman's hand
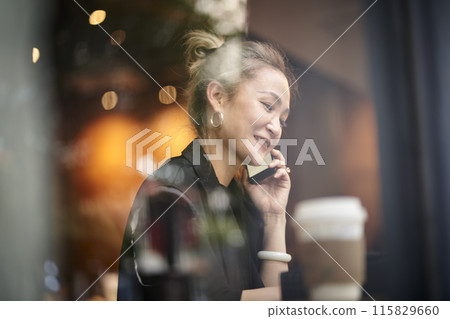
pixel 272 193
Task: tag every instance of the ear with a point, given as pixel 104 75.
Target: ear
pixel 215 94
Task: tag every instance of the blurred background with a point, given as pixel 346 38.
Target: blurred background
pixel 376 105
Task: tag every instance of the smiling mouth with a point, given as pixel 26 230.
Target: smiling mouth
pixel 265 142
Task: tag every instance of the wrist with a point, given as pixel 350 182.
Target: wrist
pixel 274 220
pixel 275 235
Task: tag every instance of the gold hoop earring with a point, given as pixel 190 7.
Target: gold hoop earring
pixel 216 119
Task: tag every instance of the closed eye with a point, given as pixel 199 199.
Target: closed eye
pixel 268 106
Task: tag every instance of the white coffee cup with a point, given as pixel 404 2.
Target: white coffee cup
pixel 332 246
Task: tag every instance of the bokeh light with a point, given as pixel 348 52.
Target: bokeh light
pixel 100 157
pixel 109 100
pixel 167 95
pixel 118 36
pixel 97 17
pixel 36 54
pixel 172 121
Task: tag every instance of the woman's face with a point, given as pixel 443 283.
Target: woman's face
pixel 257 113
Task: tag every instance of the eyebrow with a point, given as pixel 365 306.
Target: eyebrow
pixel 277 99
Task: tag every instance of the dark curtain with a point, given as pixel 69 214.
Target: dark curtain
pixel 409 45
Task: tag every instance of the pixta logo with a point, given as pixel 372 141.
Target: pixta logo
pixel 145 144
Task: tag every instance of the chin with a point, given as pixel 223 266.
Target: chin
pixel 243 153
pixel 254 161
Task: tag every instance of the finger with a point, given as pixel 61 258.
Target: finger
pixel 278 155
pixel 277 163
pixel 282 172
pixel 279 173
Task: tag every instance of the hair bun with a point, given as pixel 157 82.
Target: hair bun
pixel 198 45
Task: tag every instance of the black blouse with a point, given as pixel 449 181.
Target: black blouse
pixel 190 238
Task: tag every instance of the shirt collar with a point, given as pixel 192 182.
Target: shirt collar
pixel 195 154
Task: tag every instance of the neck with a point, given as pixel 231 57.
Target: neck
pixel 224 171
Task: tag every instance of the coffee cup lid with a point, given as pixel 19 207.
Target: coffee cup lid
pixel 331 208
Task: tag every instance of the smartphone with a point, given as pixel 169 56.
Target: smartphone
pixel 258 173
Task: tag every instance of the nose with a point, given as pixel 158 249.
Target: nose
pixel 274 127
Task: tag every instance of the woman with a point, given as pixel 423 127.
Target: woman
pixel 197 231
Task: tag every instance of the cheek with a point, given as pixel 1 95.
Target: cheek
pixel 252 113
pixel 245 112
